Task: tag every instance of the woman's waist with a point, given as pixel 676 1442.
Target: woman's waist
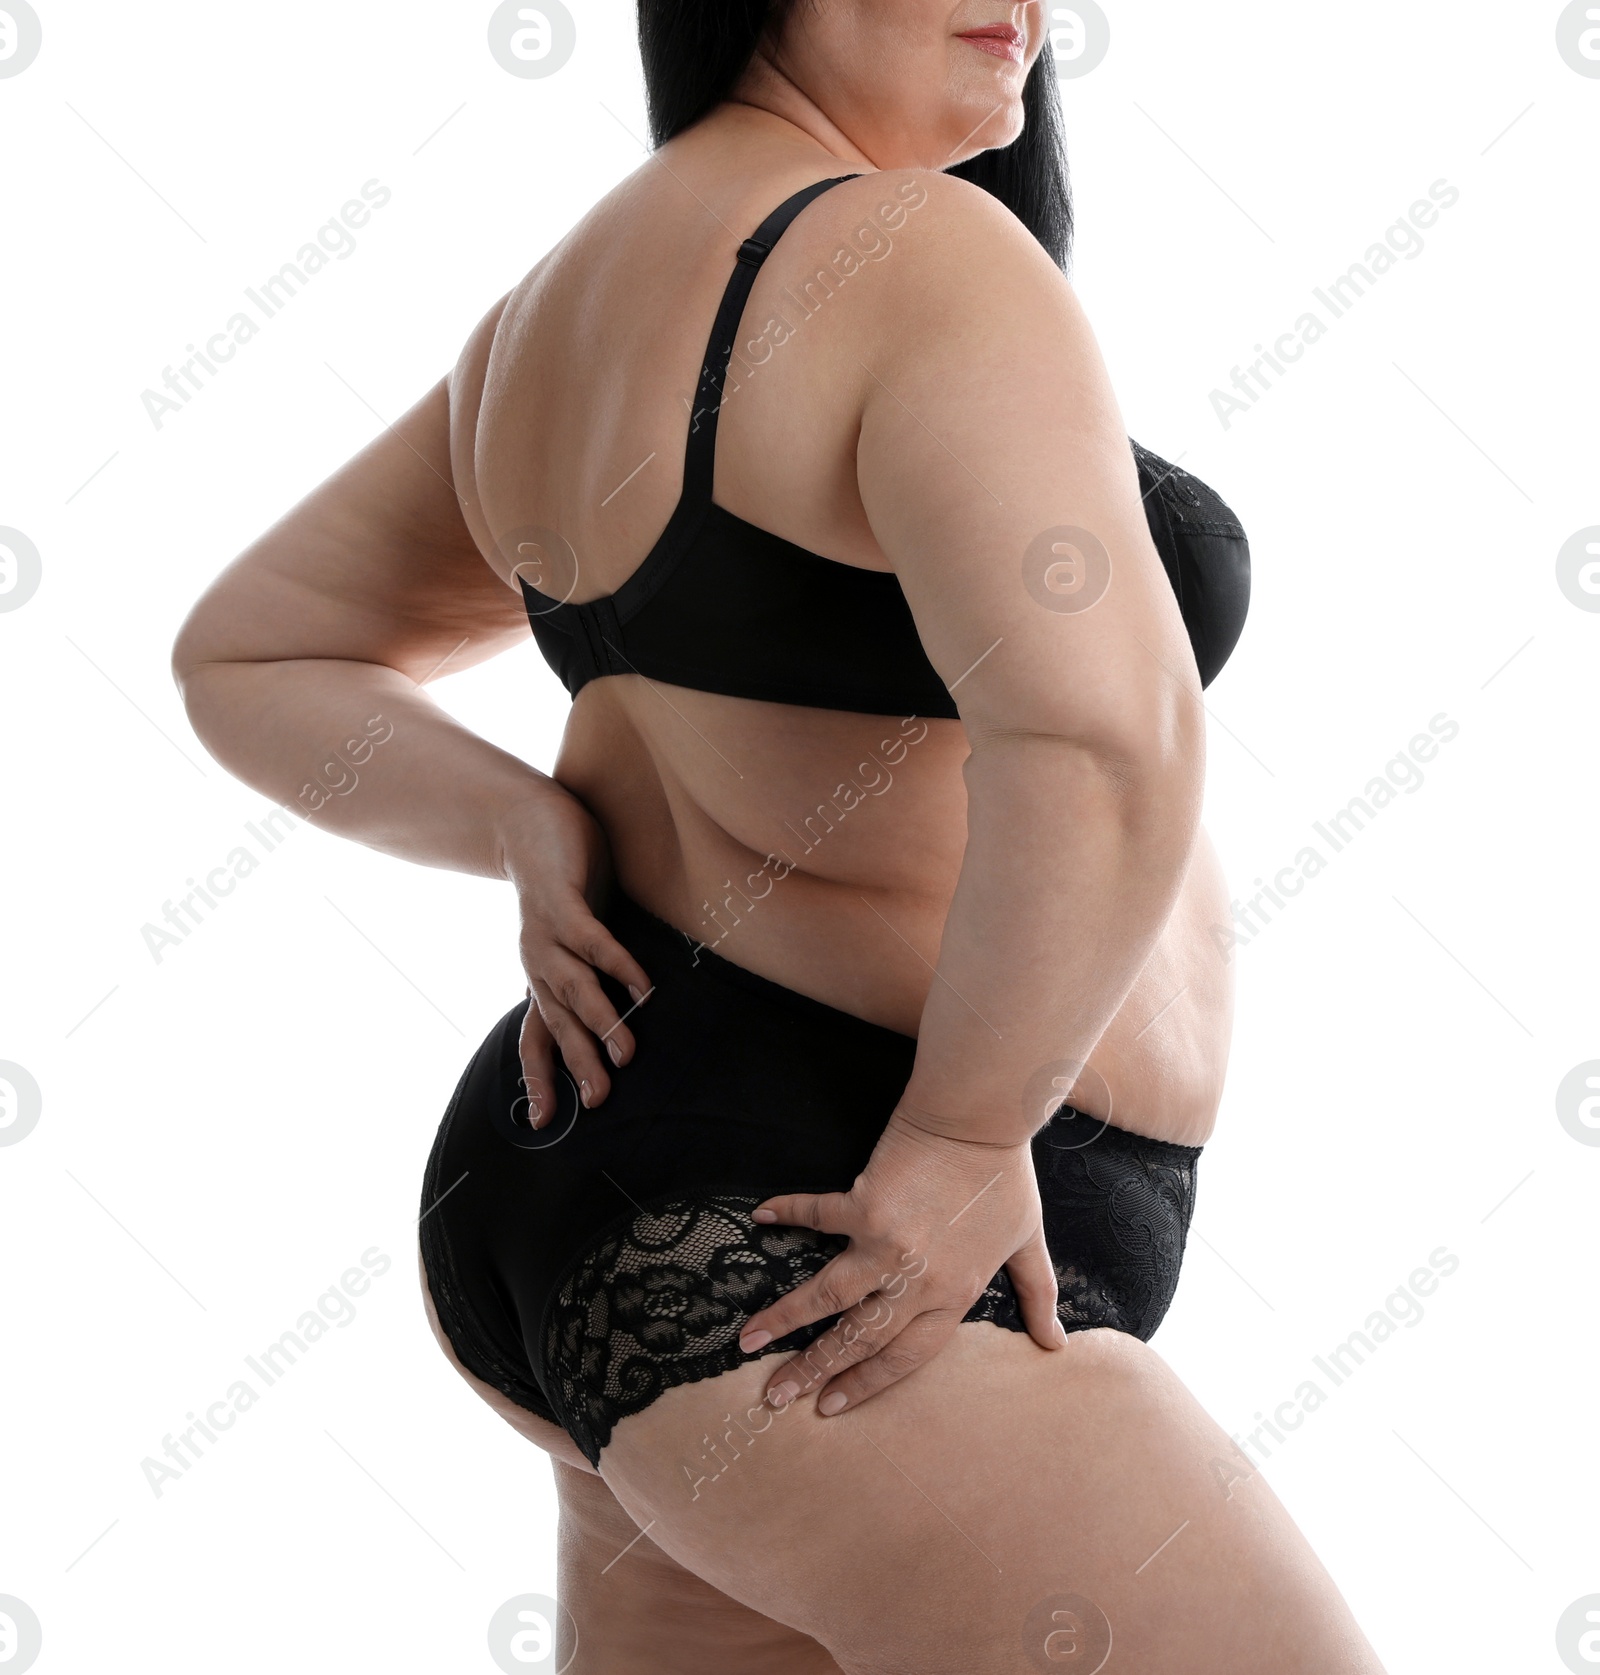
pixel 857 927
pixel 862 949
pixel 841 896
pixel 869 951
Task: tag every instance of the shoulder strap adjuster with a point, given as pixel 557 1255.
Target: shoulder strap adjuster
pixel 754 252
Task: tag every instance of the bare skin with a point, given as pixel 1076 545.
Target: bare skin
pixel 630 1604
pixel 1041 855
pixel 1155 1517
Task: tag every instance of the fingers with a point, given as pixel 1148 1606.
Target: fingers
pixel 843 1283
pixel 573 1008
pixel 871 1348
pixel 597 947
pixel 881 1339
pixel 1033 1276
pixel 575 1011
pixel 824 1293
pixel 861 1331
pixel 535 1048
pixel 887 1360
pixel 828 1212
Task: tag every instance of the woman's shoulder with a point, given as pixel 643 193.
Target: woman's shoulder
pixel 949 254
pixel 936 219
pixel 941 240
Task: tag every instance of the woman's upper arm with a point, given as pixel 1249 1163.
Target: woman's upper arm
pixel 997 476
pixel 376 565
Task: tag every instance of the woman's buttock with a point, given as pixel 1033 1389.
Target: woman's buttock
pixel 585 1268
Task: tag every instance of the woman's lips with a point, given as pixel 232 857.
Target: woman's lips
pixel 998 39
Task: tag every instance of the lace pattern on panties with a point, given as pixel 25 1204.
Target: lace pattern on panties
pixel 659 1300
pixel 1116 1218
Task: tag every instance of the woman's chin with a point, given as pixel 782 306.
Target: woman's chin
pixel 982 126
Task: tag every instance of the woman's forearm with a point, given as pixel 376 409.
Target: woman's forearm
pixel 1071 869
pixel 361 750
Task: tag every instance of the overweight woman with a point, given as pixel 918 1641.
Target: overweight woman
pixel 814 1207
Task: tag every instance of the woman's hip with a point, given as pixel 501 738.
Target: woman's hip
pixel 584 1267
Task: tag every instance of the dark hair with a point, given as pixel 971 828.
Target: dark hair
pixel 695 51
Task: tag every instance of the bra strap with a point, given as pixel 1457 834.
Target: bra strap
pixel 700 459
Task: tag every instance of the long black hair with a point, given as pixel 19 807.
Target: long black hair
pixel 695 51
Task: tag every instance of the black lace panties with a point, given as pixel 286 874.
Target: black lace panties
pixel 584 1269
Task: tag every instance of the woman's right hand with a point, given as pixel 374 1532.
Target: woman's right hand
pixel 555 854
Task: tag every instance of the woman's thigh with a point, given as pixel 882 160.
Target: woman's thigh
pixel 626 1604
pixel 1002 1509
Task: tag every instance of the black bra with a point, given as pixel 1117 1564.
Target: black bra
pixel 721 605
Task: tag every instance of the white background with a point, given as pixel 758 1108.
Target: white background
pixel 225 1131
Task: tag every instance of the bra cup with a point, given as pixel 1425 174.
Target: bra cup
pixel 1217 597
pixel 1205 553
pixel 1152 468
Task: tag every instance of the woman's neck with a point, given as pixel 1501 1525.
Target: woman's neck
pixel 764 89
